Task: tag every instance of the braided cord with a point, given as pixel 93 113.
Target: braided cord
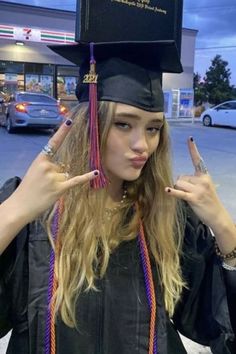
pixel 149 287
pixel 50 333
pixel 95 158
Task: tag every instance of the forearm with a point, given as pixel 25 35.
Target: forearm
pixel 12 221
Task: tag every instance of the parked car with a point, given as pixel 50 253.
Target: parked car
pixel 28 109
pixel 222 114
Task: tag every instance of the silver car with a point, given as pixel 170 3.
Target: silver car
pixel 222 114
pixel 28 109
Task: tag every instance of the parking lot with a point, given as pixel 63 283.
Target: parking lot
pixel 217 146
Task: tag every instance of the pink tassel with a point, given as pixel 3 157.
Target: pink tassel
pixel 95 160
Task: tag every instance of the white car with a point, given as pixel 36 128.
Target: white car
pixel 222 114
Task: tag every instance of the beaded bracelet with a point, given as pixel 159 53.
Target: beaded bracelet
pixel 228 267
pixel 230 255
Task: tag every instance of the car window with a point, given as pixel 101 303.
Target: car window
pixel 35 98
pixel 232 105
pixel 228 105
pixel 224 106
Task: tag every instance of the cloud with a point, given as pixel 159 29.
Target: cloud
pixel 215 21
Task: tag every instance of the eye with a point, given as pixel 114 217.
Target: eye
pixel 122 125
pixel 153 130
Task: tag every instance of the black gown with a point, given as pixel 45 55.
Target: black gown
pixel 115 319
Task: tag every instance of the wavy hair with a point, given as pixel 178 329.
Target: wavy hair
pixel 85 243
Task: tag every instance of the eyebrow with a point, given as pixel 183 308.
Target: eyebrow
pixel 134 116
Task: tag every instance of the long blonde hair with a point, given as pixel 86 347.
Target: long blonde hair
pixel 85 243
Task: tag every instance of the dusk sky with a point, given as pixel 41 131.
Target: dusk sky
pixel 214 19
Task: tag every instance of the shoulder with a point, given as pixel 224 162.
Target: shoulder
pixel 8 188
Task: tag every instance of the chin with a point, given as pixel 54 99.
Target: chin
pixel 128 175
pixel 132 176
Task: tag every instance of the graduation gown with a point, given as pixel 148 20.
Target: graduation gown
pixel 115 319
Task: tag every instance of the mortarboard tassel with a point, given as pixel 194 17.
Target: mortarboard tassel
pixel 95 160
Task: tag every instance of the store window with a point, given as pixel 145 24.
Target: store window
pixel 39 78
pixel 67 78
pixel 11 77
pixel 34 77
pixel 186 103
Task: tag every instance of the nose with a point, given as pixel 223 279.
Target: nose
pixel 139 143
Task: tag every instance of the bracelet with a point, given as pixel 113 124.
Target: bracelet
pixel 228 267
pixel 230 255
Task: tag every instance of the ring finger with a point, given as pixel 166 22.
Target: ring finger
pixel 55 142
pixel 184 185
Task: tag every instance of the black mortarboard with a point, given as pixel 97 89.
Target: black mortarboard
pixel 134 41
pixel 122 81
pixel 146 31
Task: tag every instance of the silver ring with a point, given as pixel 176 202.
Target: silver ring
pixel 48 150
pixel 201 167
pixel 66 174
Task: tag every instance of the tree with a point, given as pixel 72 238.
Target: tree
pixel 217 81
pixel 200 94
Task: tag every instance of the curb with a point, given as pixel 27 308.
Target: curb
pixel 183 120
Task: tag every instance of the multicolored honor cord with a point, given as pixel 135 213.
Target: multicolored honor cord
pixel 150 289
pixel 50 335
pixel 50 332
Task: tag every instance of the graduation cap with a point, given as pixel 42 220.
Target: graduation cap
pixel 123 46
pixel 140 31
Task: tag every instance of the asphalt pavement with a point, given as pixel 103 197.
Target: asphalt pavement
pixel 217 146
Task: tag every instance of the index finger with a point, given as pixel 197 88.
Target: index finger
pixel 197 160
pixel 58 138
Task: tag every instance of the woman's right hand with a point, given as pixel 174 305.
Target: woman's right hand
pixel 44 183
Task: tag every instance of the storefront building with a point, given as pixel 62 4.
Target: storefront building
pixel 26 63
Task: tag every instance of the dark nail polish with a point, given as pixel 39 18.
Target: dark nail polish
pixel 68 122
pixel 96 173
pixel 168 190
pixel 191 138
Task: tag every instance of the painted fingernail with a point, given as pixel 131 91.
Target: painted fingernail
pixel 168 190
pixel 191 138
pixel 96 173
pixel 68 122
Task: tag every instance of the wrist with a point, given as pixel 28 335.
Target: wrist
pixel 12 221
pixel 13 213
pixel 225 242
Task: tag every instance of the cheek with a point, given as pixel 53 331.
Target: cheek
pixel 114 145
pixel 153 144
pixel 116 140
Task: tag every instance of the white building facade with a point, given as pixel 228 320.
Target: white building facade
pixel 26 63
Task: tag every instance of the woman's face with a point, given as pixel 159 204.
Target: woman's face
pixel 133 137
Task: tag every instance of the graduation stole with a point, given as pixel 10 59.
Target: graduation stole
pixel 50 331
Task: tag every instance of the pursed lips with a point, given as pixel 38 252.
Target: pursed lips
pixel 138 162
pixel 139 159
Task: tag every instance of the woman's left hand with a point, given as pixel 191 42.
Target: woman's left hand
pixel 199 190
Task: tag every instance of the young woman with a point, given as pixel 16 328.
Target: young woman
pixel 127 265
